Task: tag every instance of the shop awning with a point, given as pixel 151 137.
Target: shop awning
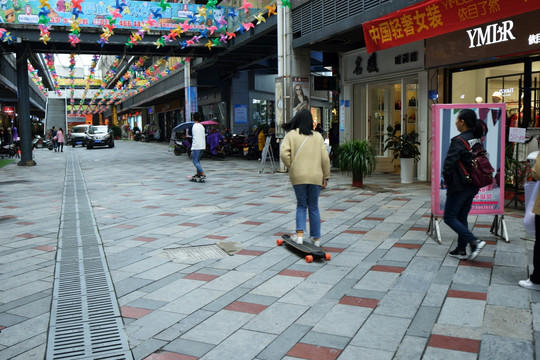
pixel 435 17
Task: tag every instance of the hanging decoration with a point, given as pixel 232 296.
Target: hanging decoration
pixel 50 65
pixel 5 36
pixel 75 31
pixel 72 63
pixel 36 79
pixel 209 21
pixel 91 74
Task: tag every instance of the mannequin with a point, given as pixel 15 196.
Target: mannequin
pixel 497 97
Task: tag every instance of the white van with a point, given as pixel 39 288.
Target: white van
pixel 78 135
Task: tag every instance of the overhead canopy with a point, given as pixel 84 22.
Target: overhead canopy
pixel 435 17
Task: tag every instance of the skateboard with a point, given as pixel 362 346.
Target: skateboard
pixel 311 251
pixel 194 179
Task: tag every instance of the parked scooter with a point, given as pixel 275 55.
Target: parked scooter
pixel 234 144
pixel 251 147
pixel 137 135
pixel 182 146
pixel 39 142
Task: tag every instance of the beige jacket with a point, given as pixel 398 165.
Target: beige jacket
pixel 536 175
pixel 311 164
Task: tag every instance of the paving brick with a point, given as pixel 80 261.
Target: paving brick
pixel 218 327
pixel 279 347
pixel 196 349
pixel 505 348
pixel 381 332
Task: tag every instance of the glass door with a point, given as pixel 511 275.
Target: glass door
pixel 378 99
pixel 410 102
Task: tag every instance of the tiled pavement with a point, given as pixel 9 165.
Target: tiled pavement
pixel 389 292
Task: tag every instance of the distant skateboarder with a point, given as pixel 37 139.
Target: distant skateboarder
pixel 198 145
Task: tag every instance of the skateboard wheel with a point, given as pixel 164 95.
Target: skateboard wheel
pixel 309 258
pixel 327 256
pixel 279 242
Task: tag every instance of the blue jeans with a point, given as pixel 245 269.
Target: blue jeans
pixel 456 210
pixel 196 157
pixel 307 199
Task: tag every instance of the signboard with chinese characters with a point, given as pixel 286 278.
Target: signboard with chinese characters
pixel 517 135
pixel 490 199
pixel 436 17
pixel 358 65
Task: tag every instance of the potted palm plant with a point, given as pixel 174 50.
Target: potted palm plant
pixel 358 157
pixel 404 147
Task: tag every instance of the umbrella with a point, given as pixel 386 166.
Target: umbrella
pixel 183 126
pixel 209 122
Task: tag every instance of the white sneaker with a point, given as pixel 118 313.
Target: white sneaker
pixel 528 284
pixel 317 243
pixel 297 239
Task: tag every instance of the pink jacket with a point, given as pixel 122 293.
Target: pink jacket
pixel 60 137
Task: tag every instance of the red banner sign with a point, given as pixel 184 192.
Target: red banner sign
pixel 435 17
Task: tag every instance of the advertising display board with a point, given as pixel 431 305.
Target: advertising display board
pixel 490 199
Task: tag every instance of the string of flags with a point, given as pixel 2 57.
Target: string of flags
pixel 210 35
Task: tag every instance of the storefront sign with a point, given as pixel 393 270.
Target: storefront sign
pixel 10 110
pixel 361 65
pixel 490 199
pixel 436 17
pixel 494 39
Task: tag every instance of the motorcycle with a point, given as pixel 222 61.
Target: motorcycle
pixel 137 135
pixel 39 142
pixel 182 146
pixel 233 145
pixel 147 137
pixel 250 148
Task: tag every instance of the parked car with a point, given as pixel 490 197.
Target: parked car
pixel 99 135
pixel 78 135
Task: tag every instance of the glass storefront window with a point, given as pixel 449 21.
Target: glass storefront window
pixel 395 105
pixel 470 86
pixel 262 111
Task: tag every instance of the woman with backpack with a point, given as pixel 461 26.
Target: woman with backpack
pixel 460 191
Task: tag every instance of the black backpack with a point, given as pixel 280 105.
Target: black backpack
pixel 481 170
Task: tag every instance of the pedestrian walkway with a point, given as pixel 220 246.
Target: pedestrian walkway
pixel 127 225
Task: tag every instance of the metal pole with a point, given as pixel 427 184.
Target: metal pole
pixel 187 84
pixel 284 67
pixel 23 109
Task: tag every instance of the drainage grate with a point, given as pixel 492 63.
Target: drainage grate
pixel 194 254
pixel 85 318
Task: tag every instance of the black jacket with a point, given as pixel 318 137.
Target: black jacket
pixel 453 176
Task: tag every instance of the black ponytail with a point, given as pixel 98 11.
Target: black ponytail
pixel 472 122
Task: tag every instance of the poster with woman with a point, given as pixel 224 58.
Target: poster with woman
pixel 300 94
pixel 490 199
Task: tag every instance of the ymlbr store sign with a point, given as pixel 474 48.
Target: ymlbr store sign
pixel 515 35
pixel 491 34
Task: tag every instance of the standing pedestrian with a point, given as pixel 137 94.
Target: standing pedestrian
pixel 533 282
pixel 303 151
pixel 198 145
pixel 460 192
pixel 60 139
pixel 53 137
pixel 261 141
